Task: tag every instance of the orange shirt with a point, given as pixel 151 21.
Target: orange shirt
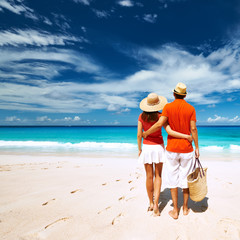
pixel 154 138
pixel 179 114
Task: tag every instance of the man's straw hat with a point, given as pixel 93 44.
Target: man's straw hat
pixel 153 103
pixel 180 89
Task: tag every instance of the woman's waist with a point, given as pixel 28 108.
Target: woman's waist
pixel 153 140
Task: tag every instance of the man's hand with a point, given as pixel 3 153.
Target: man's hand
pixel 190 138
pixel 197 154
pixel 144 135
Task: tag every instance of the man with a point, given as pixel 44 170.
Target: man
pixel 181 117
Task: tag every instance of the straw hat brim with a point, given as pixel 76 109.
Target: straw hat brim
pixel 183 94
pixel 153 108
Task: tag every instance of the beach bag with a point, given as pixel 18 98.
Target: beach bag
pixel 197 182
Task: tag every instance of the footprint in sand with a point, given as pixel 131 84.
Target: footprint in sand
pixel 105 209
pixel 40 235
pixel 132 188
pixel 59 220
pixel 121 198
pixel 228 229
pixel 2 169
pixel 138 175
pixel 44 204
pixel 130 199
pixel 117 218
pixel 77 190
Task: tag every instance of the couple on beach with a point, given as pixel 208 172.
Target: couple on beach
pixel 179 120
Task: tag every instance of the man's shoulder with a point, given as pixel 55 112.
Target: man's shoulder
pixel 189 105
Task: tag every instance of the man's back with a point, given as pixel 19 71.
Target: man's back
pixel 179 114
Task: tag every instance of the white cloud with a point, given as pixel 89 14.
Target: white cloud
pixel 116 122
pixel 13 7
pixel 101 14
pixel 83 29
pixel 17 7
pixel 61 21
pixel 67 119
pixel 126 3
pixel 235 119
pixel 12 119
pixel 151 18
pixel 44 63
pixel 76 118
pixel 219 119
pixel 163 68
pixel 43 119
pixel 211 106
pixel 85 2
pixel 32 37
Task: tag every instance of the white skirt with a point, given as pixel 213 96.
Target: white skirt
pixel 152 154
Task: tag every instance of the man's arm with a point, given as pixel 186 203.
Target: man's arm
pixel 156 126
pixel 194 132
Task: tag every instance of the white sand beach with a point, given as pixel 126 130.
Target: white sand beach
pixel 77 198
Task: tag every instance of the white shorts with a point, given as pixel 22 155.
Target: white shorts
pixel 178 166
pixel 152 154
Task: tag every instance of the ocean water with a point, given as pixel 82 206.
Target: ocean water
pixel 120 140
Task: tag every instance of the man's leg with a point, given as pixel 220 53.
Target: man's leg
pixel 186 165
pixel 186 210
pixel 172 166
pixel 174 213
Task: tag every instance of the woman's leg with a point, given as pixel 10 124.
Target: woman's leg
pixel 157 187
pixel 149 184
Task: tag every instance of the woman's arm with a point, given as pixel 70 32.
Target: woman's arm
pixel 176 134
pixel 139 138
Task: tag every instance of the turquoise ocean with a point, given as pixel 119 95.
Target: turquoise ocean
pixel 98 140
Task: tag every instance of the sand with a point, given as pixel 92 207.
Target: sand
pixel 76 198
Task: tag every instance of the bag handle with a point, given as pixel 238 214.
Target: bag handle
pixel 197 161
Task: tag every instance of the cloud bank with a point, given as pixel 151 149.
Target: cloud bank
pixel 30 74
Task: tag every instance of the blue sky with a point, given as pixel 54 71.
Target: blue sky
pixel 90 62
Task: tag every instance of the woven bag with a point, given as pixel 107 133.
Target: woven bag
pixel 197 182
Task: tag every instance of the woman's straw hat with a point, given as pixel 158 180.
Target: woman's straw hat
pixel 180 89
pixel 153 103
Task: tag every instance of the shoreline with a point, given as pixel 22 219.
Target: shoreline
pixel 205 155
pixel 66 197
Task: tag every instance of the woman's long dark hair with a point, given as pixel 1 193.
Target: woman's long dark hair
pixel 150 116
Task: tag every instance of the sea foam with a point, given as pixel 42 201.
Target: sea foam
pixel 64 146
pixel 235 148
pixel 213 148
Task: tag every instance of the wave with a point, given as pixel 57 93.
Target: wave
pixel 213 148
pixel 92 146
pixel 231 147
pixel 235 147
pixel 68 145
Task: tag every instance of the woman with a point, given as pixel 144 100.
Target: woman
pixel 151 154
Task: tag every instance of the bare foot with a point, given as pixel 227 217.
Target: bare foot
pixel 156 211
pixel 186 211
pixel 150 208
pixel 174 214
